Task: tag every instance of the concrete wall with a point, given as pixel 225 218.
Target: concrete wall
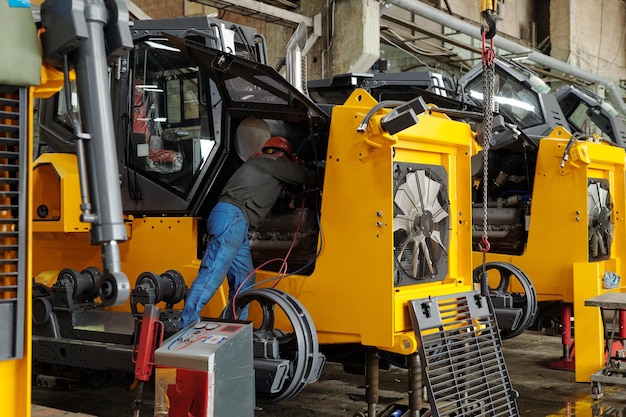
pixel 515 15
pixel 590 35
pixel 349 39
pixel 159 9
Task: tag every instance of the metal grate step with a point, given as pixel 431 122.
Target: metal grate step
pixel 461 354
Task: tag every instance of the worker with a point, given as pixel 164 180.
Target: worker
pixel 245 201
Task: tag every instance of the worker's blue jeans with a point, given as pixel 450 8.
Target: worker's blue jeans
pixel 227 254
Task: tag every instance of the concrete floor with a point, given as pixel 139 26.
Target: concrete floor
pixel 543 391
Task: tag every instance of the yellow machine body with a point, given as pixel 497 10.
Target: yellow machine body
pixel 154 243
pixel 350 295
pixel 556 257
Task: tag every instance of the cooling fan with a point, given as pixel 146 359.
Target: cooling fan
pixel 420 224
pixel 599 219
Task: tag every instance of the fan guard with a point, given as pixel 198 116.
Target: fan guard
pixel 420 223
pixel 600 223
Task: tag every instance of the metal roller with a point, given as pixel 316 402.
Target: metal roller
pixel 85 284
pixel 168 287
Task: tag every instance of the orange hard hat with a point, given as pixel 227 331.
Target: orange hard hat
pixel 279 143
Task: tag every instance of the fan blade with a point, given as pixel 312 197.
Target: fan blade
pixel 430 192
pixel 416 260
pixel 402 223
pixel 603 249
pixel 404 198
pixel 430 189
pixel 438 212
pixel 415 190
pixel 426 251
pixel 598 195
pixel 596 201
pixel 602 194
pixel 436 236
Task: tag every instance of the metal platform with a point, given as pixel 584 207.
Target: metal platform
pixel 614 371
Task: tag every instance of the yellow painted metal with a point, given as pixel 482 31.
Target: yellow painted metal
pixel 556 257
pixel 588 328
pixel 155 244
pixel 56 186
pixel 350 295
pixel 51 81
pixel 488 5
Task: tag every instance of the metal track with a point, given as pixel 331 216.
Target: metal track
pixel 461 354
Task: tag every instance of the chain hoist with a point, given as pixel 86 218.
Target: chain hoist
pixel 488 58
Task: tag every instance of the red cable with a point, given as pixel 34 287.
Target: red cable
pixel 282 271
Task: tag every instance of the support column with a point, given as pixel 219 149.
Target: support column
pixel 350 40
pixel 371 381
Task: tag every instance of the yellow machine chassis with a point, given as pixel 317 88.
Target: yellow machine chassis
pixel 556 257
pixel 351 294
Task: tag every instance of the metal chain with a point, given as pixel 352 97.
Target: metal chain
pixel 488 57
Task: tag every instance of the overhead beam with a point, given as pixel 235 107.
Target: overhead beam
pixel 261 11
pixel 435 15
pixel 136 11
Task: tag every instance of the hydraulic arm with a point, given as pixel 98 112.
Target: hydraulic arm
pixel 85 35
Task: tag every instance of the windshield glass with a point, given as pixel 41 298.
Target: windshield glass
pixel 516 101
pixel 588 119
pixel 171 136
pixel 241 90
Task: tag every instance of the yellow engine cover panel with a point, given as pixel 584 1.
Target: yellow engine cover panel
pixel 558 230
pixel 351 295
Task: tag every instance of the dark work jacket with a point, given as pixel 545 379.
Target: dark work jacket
pixel 258 183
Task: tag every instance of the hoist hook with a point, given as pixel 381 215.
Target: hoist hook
pixel 490 21
pixel 484 245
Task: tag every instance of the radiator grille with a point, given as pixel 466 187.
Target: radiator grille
pixel 461 353
pixel 13 163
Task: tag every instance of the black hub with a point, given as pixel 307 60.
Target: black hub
pixel 426 223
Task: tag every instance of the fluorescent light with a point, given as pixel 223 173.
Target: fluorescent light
pixel 505 100
pixel 157 45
